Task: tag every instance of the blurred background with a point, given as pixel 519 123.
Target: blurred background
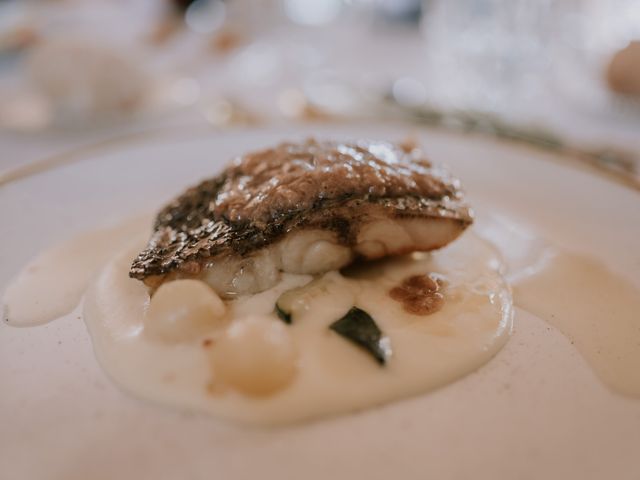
pixel 549 72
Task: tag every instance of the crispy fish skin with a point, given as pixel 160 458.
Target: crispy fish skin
pixel 262 197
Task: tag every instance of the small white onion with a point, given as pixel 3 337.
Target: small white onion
pixel 182 310
pixel 256 356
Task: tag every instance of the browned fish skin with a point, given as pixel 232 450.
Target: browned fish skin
pixel 263 196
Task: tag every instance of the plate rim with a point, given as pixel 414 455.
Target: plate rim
pixel 196 131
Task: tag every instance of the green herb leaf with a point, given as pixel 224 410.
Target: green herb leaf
pixel 358 327
pixel 282 315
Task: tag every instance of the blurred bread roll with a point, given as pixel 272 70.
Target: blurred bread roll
pixel 85 81
pixel 623 73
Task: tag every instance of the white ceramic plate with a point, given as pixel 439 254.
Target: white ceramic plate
pixel 535 411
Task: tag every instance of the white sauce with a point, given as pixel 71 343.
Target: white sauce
pixel 597 309
pixel 333 375
pixel 52 284
pixel 592 306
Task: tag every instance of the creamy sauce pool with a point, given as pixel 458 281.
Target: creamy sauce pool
pixel 52 284
pixel 597 309
pixel 591 305
pixel 332 374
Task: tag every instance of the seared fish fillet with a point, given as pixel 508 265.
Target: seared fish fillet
pixel 303 208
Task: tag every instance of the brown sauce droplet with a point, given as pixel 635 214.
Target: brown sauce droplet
pixel 419 294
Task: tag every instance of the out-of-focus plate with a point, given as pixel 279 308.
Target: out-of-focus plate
pixel 535 411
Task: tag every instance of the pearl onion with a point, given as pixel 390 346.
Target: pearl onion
pixel 182 310
pixel 255 356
